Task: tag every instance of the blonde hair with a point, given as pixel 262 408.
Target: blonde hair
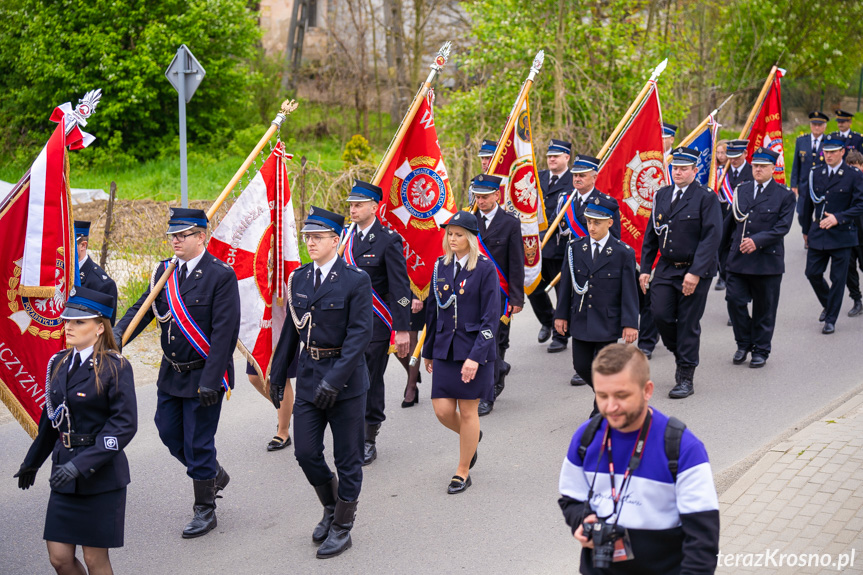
pixel 473 254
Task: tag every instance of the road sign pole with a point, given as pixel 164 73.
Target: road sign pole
pixel 181 92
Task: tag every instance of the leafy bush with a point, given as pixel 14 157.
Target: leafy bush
pixel 356 150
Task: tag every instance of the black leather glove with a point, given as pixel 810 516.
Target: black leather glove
pixel 208 396
pixel 26 476
pixel 325 395
pixel 63 475
pixel 277 394
pixel 118 337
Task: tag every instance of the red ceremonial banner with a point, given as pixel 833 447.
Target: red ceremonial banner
pixel 767 127
pixel 417 196
pixel 259 241
pixel 31 330
pixel 633 170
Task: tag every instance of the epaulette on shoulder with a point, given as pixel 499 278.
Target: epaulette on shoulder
pixel 623 243
pixel 354 268
pixel 482 257
pixel 389 231
pixel 221 263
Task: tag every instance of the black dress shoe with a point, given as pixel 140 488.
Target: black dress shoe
pixel 828 328
pixel 857 309
pixel 730 323
pixel 505 368
pixel 277 443
pixel 823 315
pixel 556 346
pixel 681 390
pixel 458 484
pixel 740 356
pixel 647 354
pixel 415 401
pixel 720 284
pixel 757 361
pixel 544 334
pixel 484 408
pixel 577 380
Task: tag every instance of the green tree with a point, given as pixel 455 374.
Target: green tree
pixel 52 52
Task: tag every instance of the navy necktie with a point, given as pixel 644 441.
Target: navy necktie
pixel 76 363
pixel 318 277
pixel 182 274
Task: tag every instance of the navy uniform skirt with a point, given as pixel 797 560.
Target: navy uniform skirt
pixel 447 383
pixel 90 520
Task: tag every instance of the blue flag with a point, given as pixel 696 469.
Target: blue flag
pixel 704 144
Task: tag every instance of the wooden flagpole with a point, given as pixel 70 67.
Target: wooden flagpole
pixel 287 107
pixel 611 139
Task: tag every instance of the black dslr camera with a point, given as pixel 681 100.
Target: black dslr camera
pixel 603 536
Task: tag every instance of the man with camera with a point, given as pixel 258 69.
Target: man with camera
pixel 636 486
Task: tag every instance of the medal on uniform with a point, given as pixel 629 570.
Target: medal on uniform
pixel 445 287
pixel 461 286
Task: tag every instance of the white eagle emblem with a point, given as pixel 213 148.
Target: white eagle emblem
pixel 525 189
pixel 423 192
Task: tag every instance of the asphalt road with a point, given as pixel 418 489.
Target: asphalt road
pixel 507 522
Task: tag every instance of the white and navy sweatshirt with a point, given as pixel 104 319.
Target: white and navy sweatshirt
pixel 673 527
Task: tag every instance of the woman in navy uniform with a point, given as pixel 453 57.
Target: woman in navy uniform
pixel 599 291
pixel 90 416
pixel 462 315
pixel 330 314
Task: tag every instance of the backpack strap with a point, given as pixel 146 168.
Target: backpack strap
pixel 589 434
pixel 673 436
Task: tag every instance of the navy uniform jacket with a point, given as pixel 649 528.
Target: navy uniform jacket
pixel 805 159
pixel 770 217
pixel 212 298
pixel 744 175
pixel 503 240
pixel 341 316
pixel 611 301
pixel 94 277
pixel 843 197
pixel 381 255
pixel 551 196
pixel 854 141
pixel 478 314
pixel 591 198
pixel 693 235
pixel 112 416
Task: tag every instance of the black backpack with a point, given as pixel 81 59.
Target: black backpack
pixel 673 436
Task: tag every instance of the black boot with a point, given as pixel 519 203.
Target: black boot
pixel 499 384
pixel 339 538
pixel 685 386
pixel 222 480
pixel 327 494
pixel 370 452
pixel 204 520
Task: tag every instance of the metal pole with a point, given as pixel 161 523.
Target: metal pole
pixel 181 93
pixel 860 89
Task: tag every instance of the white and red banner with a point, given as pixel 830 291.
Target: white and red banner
pixel 766 129
pixel 258 238
pixel 519 189
pixel 633 170
pixel 417 198
pixel 36 271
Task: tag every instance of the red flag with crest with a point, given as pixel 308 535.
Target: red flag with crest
pixel 417 196
pixel 633 170
pixel 258 238
pixel 766 129
pixel 37 266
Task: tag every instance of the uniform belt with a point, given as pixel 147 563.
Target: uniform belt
pixel 678 265
pixel 181 366
pixel 318 353
pixel 71 440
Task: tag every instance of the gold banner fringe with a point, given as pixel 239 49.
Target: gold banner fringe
pixel 36 291
pixel 18 412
